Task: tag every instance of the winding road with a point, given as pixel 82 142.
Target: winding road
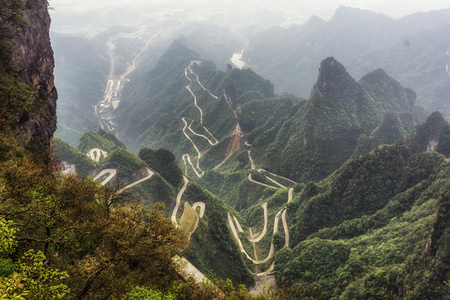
pixel 96 154
pixel 202 207
pixel 150 174
pixel 188 87
pixel 178 200
pixel 111 98
pixel 212 140
pixel 263 233
pixel 232 220
pixel 111 172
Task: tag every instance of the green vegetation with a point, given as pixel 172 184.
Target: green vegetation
pixel 162 161
pixel 64 151
pixel 102 247
pixel 368 229
pixel 100 139
pixel 124 161
pixel 314 139
pixel 408 48
pixel 81 73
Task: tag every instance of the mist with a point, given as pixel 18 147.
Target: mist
pixel 88 17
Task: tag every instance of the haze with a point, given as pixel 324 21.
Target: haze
pixel 94 16
pixel 322 8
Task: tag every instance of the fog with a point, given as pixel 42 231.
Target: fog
pixel 94 16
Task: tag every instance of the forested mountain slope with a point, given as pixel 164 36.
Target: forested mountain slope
pixel 304 140
pixel 377 227
pixel 107 161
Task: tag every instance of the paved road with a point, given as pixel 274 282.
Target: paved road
pixel 286 229
pixel 111 98
pixel 279 176
pixel 187 270
pixel 200 135
pixel 195 101
pixel 260 183
pixel 241 247
pixel 150 174
pixel 96 153
pixel 187 156
pixel 202 207
pixel 111 172
pixel 178 200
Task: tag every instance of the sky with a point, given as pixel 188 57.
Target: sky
pixel 322 8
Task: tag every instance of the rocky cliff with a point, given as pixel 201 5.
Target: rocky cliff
pixel 28 91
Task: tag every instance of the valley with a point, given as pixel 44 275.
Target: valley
pixel 225 151
pixel 111 99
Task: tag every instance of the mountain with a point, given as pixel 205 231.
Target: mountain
pixel 210 238
pixel 411 49
pixel 27 90
pixel 323 133
pixel 341 195
pixel 81 71
pixel 389 202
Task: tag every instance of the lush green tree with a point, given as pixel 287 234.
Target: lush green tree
pixel 164 162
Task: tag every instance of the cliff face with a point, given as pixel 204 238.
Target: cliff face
pixel 27 25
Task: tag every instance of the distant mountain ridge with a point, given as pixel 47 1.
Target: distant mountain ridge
pixel 411 49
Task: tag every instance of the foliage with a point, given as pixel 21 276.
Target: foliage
pixel 142 293
pixel 384 251
pixel 40 281
pixel 124 161
pixel 31 277
pixel 91 140
pixel 64 151
pixel 7 242
pixel 243 85
pixel 163 162
pixel 105 248
pixel 434 133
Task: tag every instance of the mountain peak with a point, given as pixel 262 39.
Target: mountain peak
pixel 333 78
pixel 345 15
pixel 315 22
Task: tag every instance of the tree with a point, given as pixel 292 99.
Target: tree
pixel 164 162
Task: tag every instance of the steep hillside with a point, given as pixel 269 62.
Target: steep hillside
pixel 368 230
pixel 155 177
pixel 81 72
pixel 324 132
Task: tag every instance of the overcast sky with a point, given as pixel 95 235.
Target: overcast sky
pixel 322 8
